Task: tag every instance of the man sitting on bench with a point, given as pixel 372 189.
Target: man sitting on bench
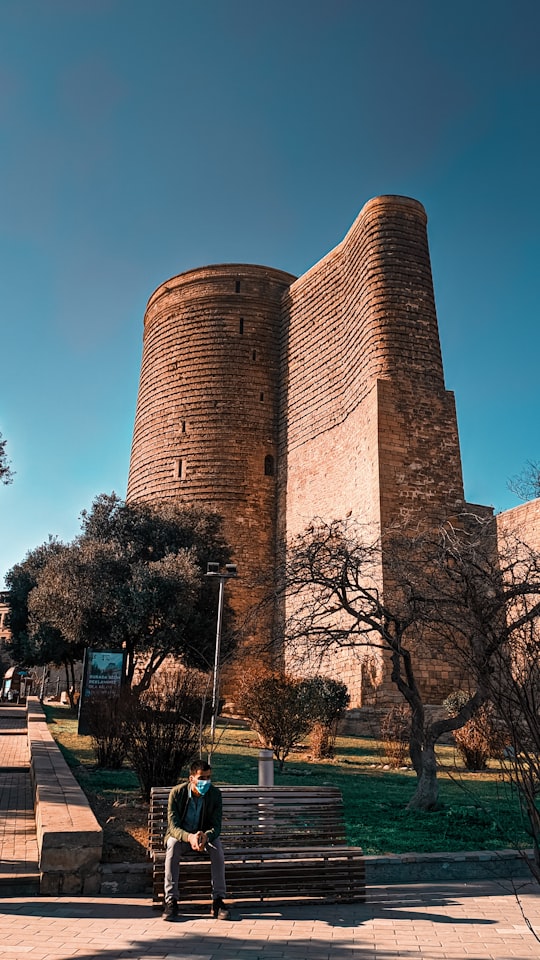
pixel 194 825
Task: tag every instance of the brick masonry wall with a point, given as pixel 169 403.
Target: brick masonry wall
pixel 523 521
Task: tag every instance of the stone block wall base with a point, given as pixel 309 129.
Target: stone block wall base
pixel 52 884
pixel 68 853
pixel 125 879
pixel 464 866
pixel 130 879
pixel 70 840
pixel 366 721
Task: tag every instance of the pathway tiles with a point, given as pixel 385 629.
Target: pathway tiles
pixel 13 740
pixel 19 871
pixel 480 921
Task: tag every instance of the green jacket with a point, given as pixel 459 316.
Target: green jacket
pixel 210 818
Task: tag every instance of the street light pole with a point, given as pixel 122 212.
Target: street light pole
pixel 213 570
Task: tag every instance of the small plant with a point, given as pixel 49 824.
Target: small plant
pixel 328 700
pixel 279 709
pixel 395 730
pixel 480 738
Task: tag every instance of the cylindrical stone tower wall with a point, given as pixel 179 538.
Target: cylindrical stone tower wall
pixel 388 287
pixel 206 421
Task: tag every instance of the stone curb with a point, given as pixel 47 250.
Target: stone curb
pixel 70 840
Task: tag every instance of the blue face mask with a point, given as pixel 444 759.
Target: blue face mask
pixel 203 786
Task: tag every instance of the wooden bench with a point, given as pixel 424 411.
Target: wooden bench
pixel 281 842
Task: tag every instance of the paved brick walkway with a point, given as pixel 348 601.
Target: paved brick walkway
pixel 443 921
pixel 453 922
pixel 18 845
pixel 13 743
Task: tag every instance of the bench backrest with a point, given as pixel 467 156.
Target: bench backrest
pixel 265 816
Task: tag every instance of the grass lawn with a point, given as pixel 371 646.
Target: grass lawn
pixel 479 812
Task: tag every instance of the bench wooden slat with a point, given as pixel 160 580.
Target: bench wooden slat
pixel 279 842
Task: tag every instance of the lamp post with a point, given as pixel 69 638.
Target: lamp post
pixel 212 570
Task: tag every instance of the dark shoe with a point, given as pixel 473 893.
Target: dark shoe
pixel 219 910
pixel 170 910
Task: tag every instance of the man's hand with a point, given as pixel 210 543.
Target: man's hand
pixel 202 839
pixel 197 841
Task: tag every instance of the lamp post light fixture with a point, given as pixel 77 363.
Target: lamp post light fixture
pixel 230 572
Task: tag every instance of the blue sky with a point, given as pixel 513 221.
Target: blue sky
pixel 140 138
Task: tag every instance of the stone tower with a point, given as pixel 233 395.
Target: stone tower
pixel 206 426
pixel 367 427
pixel 275 400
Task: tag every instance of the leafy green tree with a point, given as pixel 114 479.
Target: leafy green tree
pixel 134 580
pixel 38 644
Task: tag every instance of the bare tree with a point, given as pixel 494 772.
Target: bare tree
pixel 526 485
pixel 513 685
pixel 6 473
pixel 446 594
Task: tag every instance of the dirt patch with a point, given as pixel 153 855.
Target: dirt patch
pixel 125 828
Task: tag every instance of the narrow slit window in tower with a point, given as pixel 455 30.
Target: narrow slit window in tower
pixel 183 426
pixel 261 396
pixel 269 465
pixel 254 355
pixel 237 287
pixel 180 469
pixel 241 325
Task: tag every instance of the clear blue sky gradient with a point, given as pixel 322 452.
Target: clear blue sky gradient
pixel 140 138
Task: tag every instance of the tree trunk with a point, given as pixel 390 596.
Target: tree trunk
pixel 66 671
pixel 426 796
pixel 70 682
pixel 130 664
pixel 147 675
pixel 421 745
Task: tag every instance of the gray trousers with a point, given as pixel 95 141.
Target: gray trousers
pixel 177 851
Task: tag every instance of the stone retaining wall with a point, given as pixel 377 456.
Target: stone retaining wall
pixel 466 866
pixel 70 840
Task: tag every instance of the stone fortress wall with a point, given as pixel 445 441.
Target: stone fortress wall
pixel 275 400
pixel 367 427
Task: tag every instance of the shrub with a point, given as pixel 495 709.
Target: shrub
pixel 328 700
pixel 105 716
pixel 278 708
pixel 481 737
pixel 395 730
pixel 164 727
